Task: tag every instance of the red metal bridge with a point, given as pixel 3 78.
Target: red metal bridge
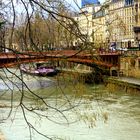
pixel 104 59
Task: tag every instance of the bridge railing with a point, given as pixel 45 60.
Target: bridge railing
pixel 118 52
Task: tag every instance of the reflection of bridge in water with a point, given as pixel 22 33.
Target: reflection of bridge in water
pixel 105 60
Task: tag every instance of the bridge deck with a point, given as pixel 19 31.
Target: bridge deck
pixel 84 57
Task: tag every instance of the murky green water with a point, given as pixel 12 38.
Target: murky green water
pixel 74 111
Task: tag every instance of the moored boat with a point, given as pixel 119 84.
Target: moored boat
pixel 47 71
pixel 40 71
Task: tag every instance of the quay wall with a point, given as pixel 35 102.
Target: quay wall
pixel 115 84
pixel 130 64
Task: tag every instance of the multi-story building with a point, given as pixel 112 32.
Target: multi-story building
pixel 137 22
pixel 85 18
pixel 117 22
pixel 121 22
pixel 99 32
pixel 85 21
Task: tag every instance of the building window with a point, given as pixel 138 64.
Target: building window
pixel 132 62
pixel 129 2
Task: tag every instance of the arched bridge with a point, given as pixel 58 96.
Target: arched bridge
pixel 106 60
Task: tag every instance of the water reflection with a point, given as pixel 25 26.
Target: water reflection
pixel 97 115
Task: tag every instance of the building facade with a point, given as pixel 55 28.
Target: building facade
pixel 121 15
pixel 116 22
pixel 85 19
pixel 99 31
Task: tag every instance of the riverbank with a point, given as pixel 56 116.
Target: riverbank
pixel 126 84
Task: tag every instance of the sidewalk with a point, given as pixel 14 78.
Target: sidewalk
pixel 129 80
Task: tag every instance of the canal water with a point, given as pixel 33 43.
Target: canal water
pixel 69 110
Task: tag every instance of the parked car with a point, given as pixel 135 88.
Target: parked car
pixel 121 49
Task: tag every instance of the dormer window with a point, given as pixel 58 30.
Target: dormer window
pixel 129 2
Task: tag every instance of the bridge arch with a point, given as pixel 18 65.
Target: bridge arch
pixel 114 71
pixel 85 58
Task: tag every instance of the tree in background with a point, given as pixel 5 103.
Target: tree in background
pixel 47 25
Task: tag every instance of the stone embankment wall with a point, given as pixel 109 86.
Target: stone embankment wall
pixel 113 84
pixel 130 64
